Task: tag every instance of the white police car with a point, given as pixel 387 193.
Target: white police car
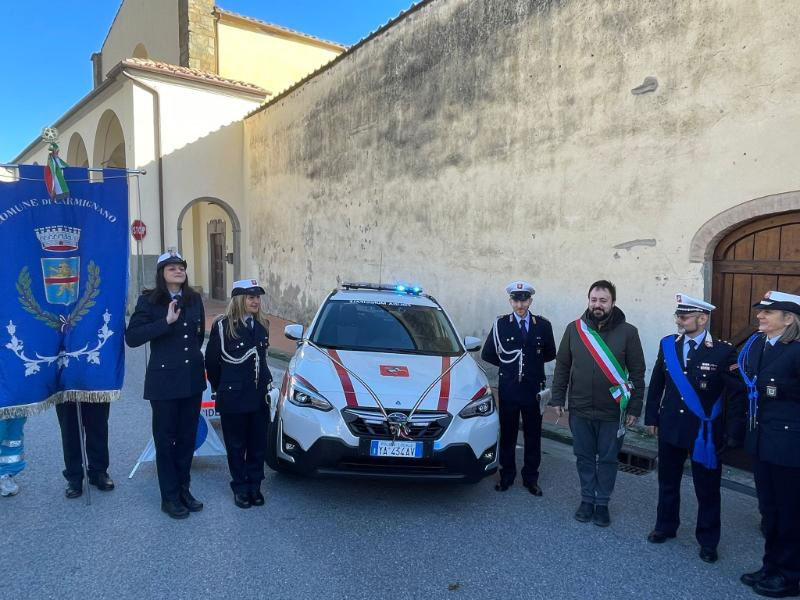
pixel 381 385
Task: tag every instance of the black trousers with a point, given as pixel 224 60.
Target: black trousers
pixel 245 436
pixel 174 434
pixel 706 487
pixel 95 426
pixel 532 434
pixel 778 490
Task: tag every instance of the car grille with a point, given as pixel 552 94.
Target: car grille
pixel 369 423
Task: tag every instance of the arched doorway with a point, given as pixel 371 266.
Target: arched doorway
pixel 209 236
pixel 76 152
pixel 109 143
pixel 758 256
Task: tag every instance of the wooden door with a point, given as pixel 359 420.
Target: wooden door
pixel 216 250
pixel 757 257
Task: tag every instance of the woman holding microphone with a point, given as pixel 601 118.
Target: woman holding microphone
pixel 171 317
pixel 770 367
pixel 236 363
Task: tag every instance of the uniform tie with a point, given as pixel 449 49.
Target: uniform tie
pixel 524 328
pixel 250 323
pixel 692 348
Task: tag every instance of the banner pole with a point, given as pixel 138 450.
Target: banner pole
pixel 84 460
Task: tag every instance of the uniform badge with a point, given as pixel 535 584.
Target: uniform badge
pixel 703 385
pixel 772 391
pixel 538 350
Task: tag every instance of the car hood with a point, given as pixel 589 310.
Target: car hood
pixel 397 379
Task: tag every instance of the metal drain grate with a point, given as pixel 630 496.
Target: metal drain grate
pixel 632 469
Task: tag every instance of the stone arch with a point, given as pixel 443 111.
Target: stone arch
pixel 109 142
pixel 76 152
pixel 705 240
pixel 140 51
pixel 236 229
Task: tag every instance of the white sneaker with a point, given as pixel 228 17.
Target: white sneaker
pixel 8 487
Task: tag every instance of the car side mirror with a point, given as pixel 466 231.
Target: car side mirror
pixel 472 343
pixel 294 331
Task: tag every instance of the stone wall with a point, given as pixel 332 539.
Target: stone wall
pixel 474 142
pixel 196 35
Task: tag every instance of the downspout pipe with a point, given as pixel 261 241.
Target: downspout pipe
pixel 156 147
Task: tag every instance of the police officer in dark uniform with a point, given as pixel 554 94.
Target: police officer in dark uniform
pixel 520 343
pixel 691 379
pixel 236 364
pixel 171 317
pixel 95 425
pixel 769 365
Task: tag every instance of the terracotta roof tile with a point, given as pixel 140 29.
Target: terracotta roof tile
pixel 255 21
pixel 189 73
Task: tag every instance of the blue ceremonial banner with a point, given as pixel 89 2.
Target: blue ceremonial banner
pixel 63 289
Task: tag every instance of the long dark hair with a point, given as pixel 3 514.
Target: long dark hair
pixel 160 294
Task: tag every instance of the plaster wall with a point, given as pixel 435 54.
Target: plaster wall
pixel 473 143
pixel 153 23
pixel 270 60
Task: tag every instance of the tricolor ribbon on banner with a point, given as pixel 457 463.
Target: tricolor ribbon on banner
pixel 621 388
pixel 54 173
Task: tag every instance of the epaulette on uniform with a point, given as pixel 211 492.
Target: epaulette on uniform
pixel 541 318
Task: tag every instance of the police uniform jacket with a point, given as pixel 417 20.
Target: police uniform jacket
pixel 712 373
pixel 236 386
pixel 776 436
pixel 175 369
pixel 538 348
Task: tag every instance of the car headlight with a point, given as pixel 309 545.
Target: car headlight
pixel 300 395
pixel 482 407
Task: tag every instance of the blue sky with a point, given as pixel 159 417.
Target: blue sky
pixel 46 70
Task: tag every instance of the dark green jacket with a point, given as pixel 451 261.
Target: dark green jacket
pixel 578 376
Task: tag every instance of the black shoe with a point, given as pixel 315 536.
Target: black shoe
pixel 174 509
pixel 74 489
pixel 658 537
pixel 189 501
pixel 502 487
pixel 102 482
pixel 584 512
pixel 601 516
pixel 753 578
pixel 241 500
pixel 708 554
pixel 533 488
pixel 776 586
pixel 256 498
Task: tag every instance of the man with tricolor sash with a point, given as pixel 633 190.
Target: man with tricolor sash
pixel 600 365
pixel 693 376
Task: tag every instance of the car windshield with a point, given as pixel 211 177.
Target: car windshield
pixel 385 327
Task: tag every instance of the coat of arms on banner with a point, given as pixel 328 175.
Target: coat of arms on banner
pixel 63 288
pixel 61 281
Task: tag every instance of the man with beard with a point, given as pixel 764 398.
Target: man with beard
pixel 685 408
pixel 600 359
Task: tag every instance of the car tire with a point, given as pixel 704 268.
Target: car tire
pixel 271 456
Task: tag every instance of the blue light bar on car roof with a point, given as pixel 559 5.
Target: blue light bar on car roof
pixel 414 290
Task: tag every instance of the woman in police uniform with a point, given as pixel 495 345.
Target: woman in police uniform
pixel 236 363
pixel 171 317
pixel 770 367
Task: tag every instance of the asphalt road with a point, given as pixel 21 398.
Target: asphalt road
pixel 327 538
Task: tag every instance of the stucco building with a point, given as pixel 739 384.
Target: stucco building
pixel 467 143
pixel 172 83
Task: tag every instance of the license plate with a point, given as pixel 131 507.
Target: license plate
pixel 395 449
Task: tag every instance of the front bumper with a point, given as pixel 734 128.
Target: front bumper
pixel 331 456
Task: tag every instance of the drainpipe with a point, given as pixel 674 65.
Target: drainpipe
pixel 156 147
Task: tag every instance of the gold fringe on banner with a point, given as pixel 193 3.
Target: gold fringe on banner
pixel 27 410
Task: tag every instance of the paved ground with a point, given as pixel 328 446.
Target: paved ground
pixel 320 538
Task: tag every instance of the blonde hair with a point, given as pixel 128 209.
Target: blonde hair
pixel 792 331
pixel 235 312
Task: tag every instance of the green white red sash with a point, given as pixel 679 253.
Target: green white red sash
pixel 618 377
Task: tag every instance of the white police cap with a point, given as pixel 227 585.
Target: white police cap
pixel 520 290
pixel 171 256
pixel 687 304
pixel 247 287
pixel 774 300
